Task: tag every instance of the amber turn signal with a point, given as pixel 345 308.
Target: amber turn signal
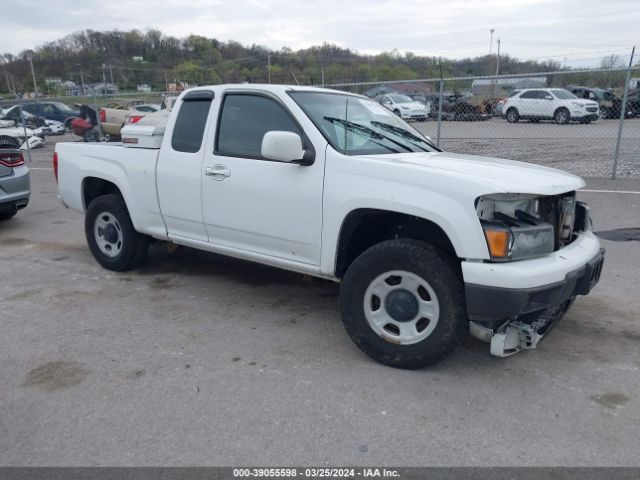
pixel 498 241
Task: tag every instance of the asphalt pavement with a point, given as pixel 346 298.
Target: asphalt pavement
pixel 197 359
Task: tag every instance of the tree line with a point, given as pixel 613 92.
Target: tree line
pixel 150 57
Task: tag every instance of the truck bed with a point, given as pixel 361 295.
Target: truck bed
pixel 79 162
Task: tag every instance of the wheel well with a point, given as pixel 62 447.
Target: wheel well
pixel 512 108
pixel 93 187
pixel 364 228
pixel 560 108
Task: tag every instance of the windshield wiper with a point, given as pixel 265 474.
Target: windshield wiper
pixel 371 133
pixel 402 132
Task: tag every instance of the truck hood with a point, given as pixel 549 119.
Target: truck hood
pixel 507 176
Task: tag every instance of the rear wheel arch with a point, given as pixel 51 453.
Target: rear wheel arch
pixel 363 228
pixel 515 114
pixel 93 187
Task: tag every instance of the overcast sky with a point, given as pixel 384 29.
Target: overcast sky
pixel 579 32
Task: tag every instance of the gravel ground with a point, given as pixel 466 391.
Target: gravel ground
pixel 586 150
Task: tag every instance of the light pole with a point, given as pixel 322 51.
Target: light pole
pixel 35 85
pixel 491 30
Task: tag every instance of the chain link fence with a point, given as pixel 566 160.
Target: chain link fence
pixel 530 117
pixel 566 119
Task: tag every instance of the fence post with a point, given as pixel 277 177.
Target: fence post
pixel 440 111
pixel 24 127
pixel 623 111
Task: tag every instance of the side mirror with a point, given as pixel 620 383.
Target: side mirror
pixel 282 146
pixel 548 97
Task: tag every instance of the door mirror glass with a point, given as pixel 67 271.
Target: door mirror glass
pixel 548 97
pixel 282 146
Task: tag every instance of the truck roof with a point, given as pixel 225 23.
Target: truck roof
pixel 269 87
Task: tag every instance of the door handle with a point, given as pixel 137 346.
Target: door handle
pixel 218 172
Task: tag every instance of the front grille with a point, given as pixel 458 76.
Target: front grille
pixel 592 109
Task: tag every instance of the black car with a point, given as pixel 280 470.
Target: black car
pixel 608 104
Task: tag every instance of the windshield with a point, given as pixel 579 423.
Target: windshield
pixel 400 98
pixel 563 94
pixel 358 126
pixel 62 106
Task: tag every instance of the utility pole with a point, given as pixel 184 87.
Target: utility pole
pixel 111 73
pixel 491 30
pixel 322 70
pixel 104 81
pixel 35 85
pixel 166 82
pixel 495 82
pixel 82 81
pixel 268 68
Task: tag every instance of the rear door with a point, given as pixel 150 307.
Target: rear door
pixel 179 171
pixel 253 204
pixel 526 104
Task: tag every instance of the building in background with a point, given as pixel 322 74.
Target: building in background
pixel 504 86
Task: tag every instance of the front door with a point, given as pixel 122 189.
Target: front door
pixel 257 205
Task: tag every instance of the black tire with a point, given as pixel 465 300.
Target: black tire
pixel 92 136
pixel 512 115
pixel 561 116
pixel 430 264
pixel 67 122
pixel 134 245
pixel 8 215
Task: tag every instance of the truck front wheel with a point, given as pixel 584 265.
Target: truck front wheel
pixel 113 241
pixel 403 303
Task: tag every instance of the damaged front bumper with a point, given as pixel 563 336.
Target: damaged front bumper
pixel 514 305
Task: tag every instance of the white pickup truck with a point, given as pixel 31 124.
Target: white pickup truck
pixel 427 245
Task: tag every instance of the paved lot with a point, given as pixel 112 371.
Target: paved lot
pixel 198 359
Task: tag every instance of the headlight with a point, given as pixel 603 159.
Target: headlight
pixel 577 104
pixel 404 107
pixel 512 227
pixel 517 242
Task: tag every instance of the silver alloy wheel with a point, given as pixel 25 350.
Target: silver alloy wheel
pixel 401 307
pixel 562 117
pixel 108 234
pixel 511 116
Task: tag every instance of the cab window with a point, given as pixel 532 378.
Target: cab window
pixel 244 120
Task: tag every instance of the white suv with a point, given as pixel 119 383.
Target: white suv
pixel 557 104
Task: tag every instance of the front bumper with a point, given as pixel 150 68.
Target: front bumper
pixel 498 292
pixel 413 114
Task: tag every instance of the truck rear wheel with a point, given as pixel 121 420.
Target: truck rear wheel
pixel 403 303
pixel 113 241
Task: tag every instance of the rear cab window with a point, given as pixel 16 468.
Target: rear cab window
pixel 188 130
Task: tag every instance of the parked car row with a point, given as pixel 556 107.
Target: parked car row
pixel 561 105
